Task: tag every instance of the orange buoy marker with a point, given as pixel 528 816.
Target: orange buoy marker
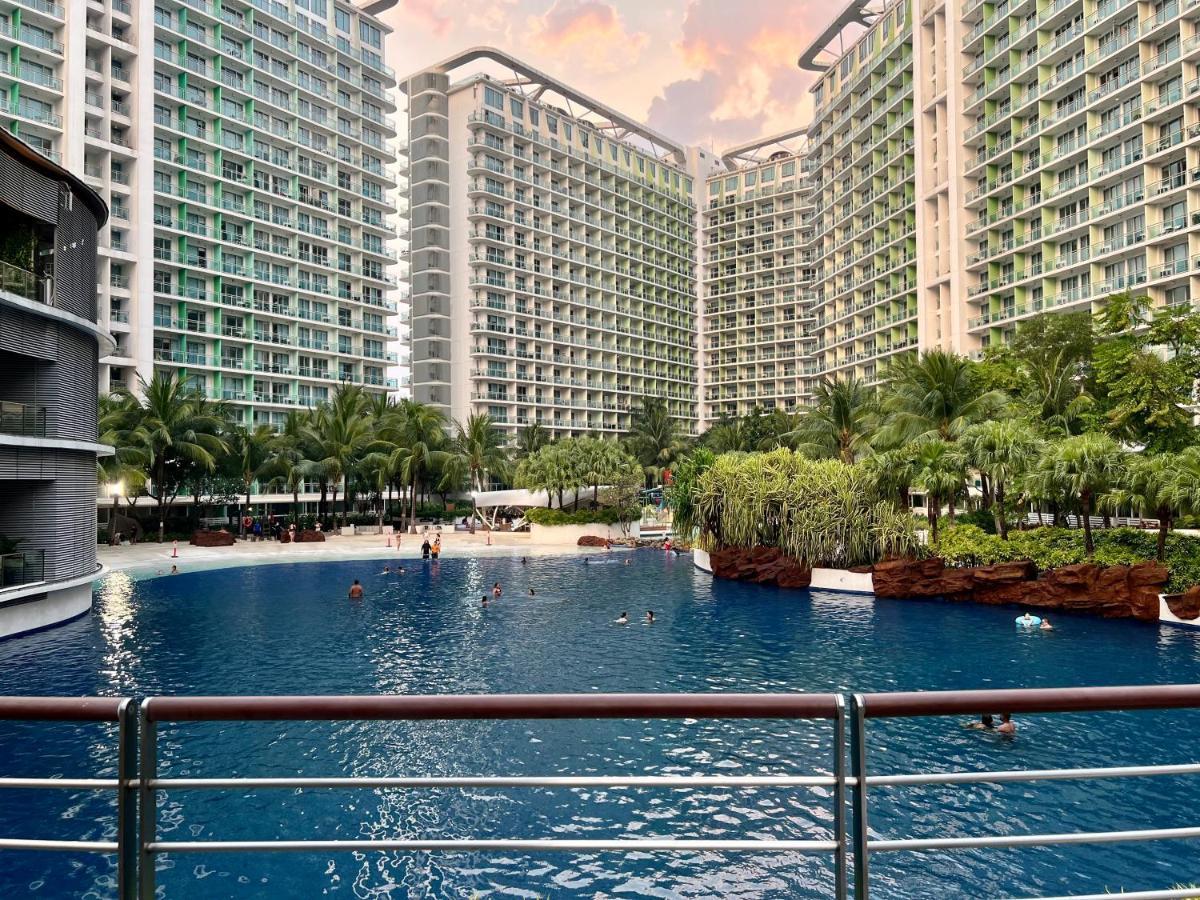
pixel 174 549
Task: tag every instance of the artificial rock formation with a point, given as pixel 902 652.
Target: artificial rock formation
pixel 1114 592
pixel 212 539
pixel 761 565
pixel 1185 606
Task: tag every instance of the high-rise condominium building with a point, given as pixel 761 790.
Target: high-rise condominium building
pixel 757 340
pixel 979 163
pixel 244 149
pixel 553 252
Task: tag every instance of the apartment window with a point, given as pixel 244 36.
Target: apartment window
pixel 370 35
pixel 517 108
pixel 493 97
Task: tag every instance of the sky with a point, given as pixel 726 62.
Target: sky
pixel 714 73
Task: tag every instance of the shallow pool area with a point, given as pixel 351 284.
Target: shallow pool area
pixel 290 629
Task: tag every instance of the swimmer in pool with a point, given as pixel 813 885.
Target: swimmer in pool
pixel 356 590
pixel 496 589
pixel 985 723
pixel 387 570
pixel 622 619
pixel 627 562
pixel 532 592
pixel 483 601
pixel 1026 621
pixel 1046 626
pixel 1007 726
pixel 649 617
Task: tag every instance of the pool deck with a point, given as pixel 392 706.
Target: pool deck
pixel 147 560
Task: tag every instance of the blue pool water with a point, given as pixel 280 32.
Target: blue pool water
pixel 290 629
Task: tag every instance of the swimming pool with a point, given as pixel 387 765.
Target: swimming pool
pixel 290 629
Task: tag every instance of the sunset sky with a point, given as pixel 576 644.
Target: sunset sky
pixel 707 72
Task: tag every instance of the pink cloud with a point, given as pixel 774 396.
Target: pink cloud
pixel 430 13
pixel 746 83
pixel 587 32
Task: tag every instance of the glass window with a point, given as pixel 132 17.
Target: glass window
pixel 517 107
pixel 731 183
pixel 493 97
pixel 370 35
pixel 751 179
pixel 341 20
pixel 768 174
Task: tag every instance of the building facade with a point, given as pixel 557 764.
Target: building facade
pixel 246 150
pixel 50 343
pixel 759 288
pixel 553 248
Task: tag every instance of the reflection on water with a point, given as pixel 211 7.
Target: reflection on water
pixel 290 629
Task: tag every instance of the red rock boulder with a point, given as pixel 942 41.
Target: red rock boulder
pixel 212 539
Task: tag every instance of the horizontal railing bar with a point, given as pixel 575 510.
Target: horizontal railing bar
pixel 87 846
pixel 469 846
pixel 1031 700
pixel 82 784
pixel 485 781
pixel 1030 775
pixel 1034 840
pixel 65 709
pixel 493 706
pixel 1170 894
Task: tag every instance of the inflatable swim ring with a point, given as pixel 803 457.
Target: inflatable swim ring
pixel 1033 622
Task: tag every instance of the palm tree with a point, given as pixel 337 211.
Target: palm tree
pixel 126 466
pixel 894 472
pixel 1057 396
pixel 600 462
pixel 339 432
pixel 531 439
pixel 177 430
pixel 936 395
pixel 413 435
pixel 940 472
pixel 479 448
pixel 1002 450
pixel 1088 465
pixel 253 449
pixel 554 469
pixel 840 423
pixel 1149 484
pixel 654 437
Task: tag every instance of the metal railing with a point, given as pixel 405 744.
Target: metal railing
pixel 848 785
pixel 1044 700
pixel 156 710
pixel 119 710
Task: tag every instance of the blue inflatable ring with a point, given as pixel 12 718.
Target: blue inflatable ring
pixel 1031 622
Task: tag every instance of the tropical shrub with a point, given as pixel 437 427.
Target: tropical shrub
pixel 1048 548
pixel 820 512
pixel 604 515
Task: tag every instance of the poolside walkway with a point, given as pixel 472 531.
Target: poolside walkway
pixel 150 559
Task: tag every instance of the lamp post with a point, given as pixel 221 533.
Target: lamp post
pixel 113 489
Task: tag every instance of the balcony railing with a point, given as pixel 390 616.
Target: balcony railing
pixel 22 419
pixel 22 282
pixel 846 782
pixel 22 567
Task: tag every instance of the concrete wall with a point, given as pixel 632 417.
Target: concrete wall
pixel 570 534
pixel 31 612
pixel 840 580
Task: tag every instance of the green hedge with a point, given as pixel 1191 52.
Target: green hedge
pixel 605 515
pixel 1048 548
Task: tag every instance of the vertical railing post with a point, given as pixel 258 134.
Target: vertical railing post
pixel 858 763
pixel 839 798
pixel 147 808
pixel 127 800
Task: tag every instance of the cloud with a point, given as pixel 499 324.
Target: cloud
pixel 745 82
pixel 588 33
pixel 430 13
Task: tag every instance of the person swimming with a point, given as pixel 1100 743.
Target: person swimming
pixel 532 592
pixel 356 590
pixel 627 562
pixel 1046 626
pixel 174 570
pixel 483 601
pixel 1007 726
pixel 985 723
pixel 497 590
pixel 524 561
pixel 649 617
pixel 400 570
pixel 387 570
pixel 1025 621
pixel 622 619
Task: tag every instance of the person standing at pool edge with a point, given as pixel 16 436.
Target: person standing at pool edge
pixel 425 548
